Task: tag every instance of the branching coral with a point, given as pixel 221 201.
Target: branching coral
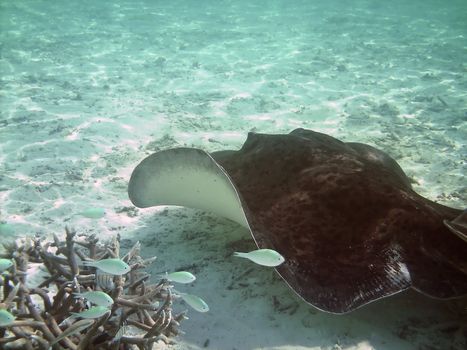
pixel 42 313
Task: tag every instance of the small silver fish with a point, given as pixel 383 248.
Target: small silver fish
pixel 120 333
pixel 6 318
pixel 195 302
pixel 96 297
pixel 93 312
pixel 112 266
pixel 104 281
pixel 5 264
pixel 93 213
pixel 180 277
pixel 264 257
pixel 76 327
pixel 6 229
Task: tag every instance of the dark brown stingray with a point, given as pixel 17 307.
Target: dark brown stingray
pixel 343 215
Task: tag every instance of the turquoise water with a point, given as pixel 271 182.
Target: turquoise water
pixel 89 88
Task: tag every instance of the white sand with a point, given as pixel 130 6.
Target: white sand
pixel 89 90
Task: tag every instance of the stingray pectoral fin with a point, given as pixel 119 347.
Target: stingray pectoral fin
pixel 186 177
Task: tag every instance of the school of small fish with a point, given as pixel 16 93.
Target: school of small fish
pixel 107 268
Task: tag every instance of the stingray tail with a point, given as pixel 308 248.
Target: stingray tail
pixel 458 226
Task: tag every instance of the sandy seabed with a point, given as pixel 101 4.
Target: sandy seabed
pixel 89 89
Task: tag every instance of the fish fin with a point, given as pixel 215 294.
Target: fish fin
pixel 461 220
pixel 187 177
pixel 88 263
pixel 458 226
pixel 240 255
pixel 65 322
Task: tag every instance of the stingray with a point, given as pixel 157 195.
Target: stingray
pixel 343 214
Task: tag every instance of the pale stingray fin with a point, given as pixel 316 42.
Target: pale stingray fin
pixel 186 177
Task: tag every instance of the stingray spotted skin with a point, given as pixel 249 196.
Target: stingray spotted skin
pixel 343 215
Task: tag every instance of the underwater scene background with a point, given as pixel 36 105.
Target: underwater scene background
pixel 89 88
